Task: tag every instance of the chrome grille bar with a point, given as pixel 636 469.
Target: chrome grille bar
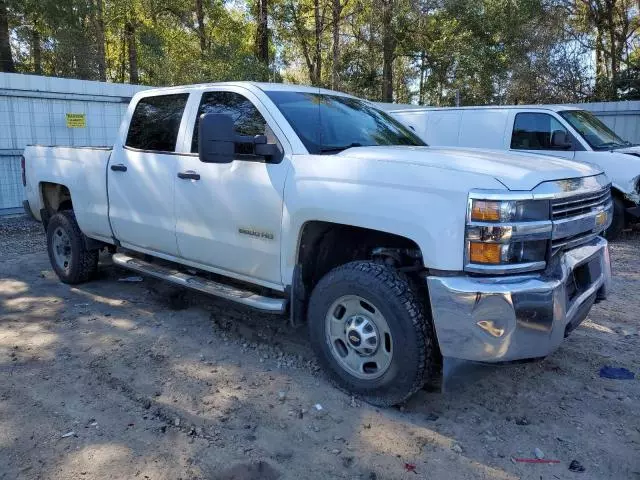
pixel 579 205
pixel 574 218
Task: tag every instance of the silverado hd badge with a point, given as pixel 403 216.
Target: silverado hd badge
pixel 256 233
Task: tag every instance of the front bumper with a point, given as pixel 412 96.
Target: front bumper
pixel 501 319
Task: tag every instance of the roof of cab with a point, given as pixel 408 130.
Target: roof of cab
pixel 264 86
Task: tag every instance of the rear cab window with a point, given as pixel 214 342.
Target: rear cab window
pixel 155 123
pixel 534 131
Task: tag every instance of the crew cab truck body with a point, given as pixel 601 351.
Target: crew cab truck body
pixel 311 202
pixel 557 130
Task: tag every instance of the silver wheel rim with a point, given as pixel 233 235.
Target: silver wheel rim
pixel 61 249
pixel 359 337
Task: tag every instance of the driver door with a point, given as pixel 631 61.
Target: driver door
pixel 534 132
pixel 229 216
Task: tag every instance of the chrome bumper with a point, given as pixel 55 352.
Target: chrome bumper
pixel 518 317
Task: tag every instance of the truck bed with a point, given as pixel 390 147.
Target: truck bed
pixel 83 171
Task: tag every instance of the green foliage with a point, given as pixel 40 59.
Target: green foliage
pixel 165 41
pixel 429 51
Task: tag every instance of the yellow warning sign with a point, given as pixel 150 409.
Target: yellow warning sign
pixel 76 120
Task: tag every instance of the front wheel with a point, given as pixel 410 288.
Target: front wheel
pixel 371 332
pixel 68 254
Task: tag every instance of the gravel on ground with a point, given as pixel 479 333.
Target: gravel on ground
pixel 110 380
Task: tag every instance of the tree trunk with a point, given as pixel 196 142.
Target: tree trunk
pixel 123 55
pixel 262 33
pixel 36 51
pixel 388 50
pixel 6 60
pixel 202 35
pixel 422 77
pixel 306 51
pixel 600 66
pixel 100 42
pixel 613 50
pixel 132 50
pixel 335 67
pixel 82 51
pixel 372 72
pixel 317 57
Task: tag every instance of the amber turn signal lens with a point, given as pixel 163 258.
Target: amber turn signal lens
pixel 485 211
pixel 485 253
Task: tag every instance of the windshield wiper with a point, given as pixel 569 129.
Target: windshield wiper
pixel 613 145
pixel 337 149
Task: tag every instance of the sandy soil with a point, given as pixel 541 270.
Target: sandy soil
pixel 105 380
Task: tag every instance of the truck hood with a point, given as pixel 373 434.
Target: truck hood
pixel 516 171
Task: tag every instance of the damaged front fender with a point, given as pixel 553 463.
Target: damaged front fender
pixel 633 198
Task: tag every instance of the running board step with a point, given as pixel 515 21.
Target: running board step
pixel 234 294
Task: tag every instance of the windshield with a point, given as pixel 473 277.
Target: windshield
pixel 332 123
pixel 596 133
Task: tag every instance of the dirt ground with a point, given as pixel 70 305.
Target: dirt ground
pixel 109 380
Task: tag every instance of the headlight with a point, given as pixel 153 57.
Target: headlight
pixel 507 211
pixel 507 236
pixel 507 253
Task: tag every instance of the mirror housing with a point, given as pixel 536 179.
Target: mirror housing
pixel 216 138
pixel 217 141
pixel 269 151
pixel 560 140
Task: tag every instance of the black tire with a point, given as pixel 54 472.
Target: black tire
pixel 614 232
pixel 406 316
pixel 83 263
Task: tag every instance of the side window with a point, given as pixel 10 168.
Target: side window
pixel 156 121
pixel 246 117
pixel 534 131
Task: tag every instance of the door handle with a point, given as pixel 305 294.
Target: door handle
pixel 119 168
pixel 189 175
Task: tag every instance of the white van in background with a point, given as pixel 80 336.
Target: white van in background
pixel 556 130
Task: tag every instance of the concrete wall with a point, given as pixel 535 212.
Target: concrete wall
pixel 33 111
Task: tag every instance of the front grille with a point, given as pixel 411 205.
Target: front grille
pixel 580 204
pixel 573 207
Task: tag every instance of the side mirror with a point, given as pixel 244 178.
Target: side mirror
pixel 267 150
pixel 258 146
pixel 560 140
pixel 216 138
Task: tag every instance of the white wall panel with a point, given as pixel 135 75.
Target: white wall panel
pixel 33 111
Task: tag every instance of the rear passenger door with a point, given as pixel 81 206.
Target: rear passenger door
pixel 141 176
pixel 535 132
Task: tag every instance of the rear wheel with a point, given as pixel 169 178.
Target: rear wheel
pixel 69 257
pixel 371 332
pixel 618 222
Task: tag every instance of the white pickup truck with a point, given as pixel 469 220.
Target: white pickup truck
pixel 293 199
